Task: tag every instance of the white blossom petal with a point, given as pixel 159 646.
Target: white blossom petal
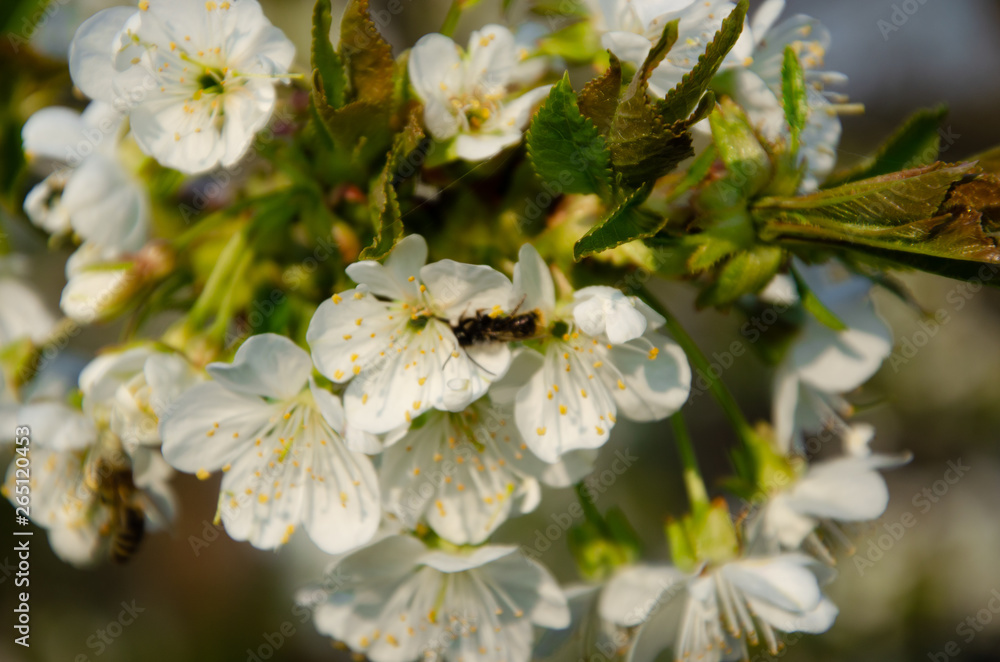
pixel 267 365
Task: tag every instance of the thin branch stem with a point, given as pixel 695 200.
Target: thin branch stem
pixel 693 481
pixel 702 366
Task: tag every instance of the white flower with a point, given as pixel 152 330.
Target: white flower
pixel 633 26
pixel 78 470
pixel 279 439
pixel 391 337
pixel 23 314
pixel 467 96
pixel 91 194
pixel 602 310
pixel 713 615
pixel 196 78
pixel 755 64
pixel 129 391
pixel 467 472
pixel 398 601
pixel 845 489
pixel 89 191
pixel 823 363
pixel 576 384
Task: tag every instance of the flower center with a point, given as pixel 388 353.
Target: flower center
pixel 476 108
pixel 210 82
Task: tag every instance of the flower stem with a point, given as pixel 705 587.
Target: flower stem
pixel 218 280
pixel 701 365
pixel 693 482
pixel 451 20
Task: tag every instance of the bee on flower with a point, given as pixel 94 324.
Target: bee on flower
pixel 392 337
pixel 600 358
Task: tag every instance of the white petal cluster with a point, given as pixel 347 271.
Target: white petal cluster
pixel 398 600
pixel 391 337
pixel 280 441
pixel 824 363
pixel 83 475
pixel 91 193
pixel 848 488
pixel 715 614
pixel 470 98
pixel 196 79
pixel 466 473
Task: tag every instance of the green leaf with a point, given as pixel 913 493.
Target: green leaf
pixel 746 159
pixel 359 128
pixel 924 218
pixel 562 141
pixel 727 236
pixel 794 95
pixel 383 202
pixel 329 78
pixel 916 143
pixel 599 98
pixel 816 308
pixel 626 223
pixel 747 272
pixel 643 146
pixel 681 100
pixel 366 55
pixel 696 173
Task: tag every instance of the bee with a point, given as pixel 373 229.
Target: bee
pixel 486 328
pixel 116 491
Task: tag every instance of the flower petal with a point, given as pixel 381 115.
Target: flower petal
pixel 91 54
pixel 267 365
pixel 458 290
pixel 648 384
pixel 636 592
pixel 533 286
pixel 208 425
pixel 560 409
pixel 435 69
pixel 351 331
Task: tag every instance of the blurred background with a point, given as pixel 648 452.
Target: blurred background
pixel 203 596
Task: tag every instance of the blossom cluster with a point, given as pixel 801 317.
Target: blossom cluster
pixel 399 411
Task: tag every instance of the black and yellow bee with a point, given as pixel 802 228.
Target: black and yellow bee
pixel 116 491
pixel 488 327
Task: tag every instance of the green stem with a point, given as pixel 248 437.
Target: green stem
pixel 702 367
pixel 225 310
pixel 693 482
pixel 228 260
pixel 451 20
